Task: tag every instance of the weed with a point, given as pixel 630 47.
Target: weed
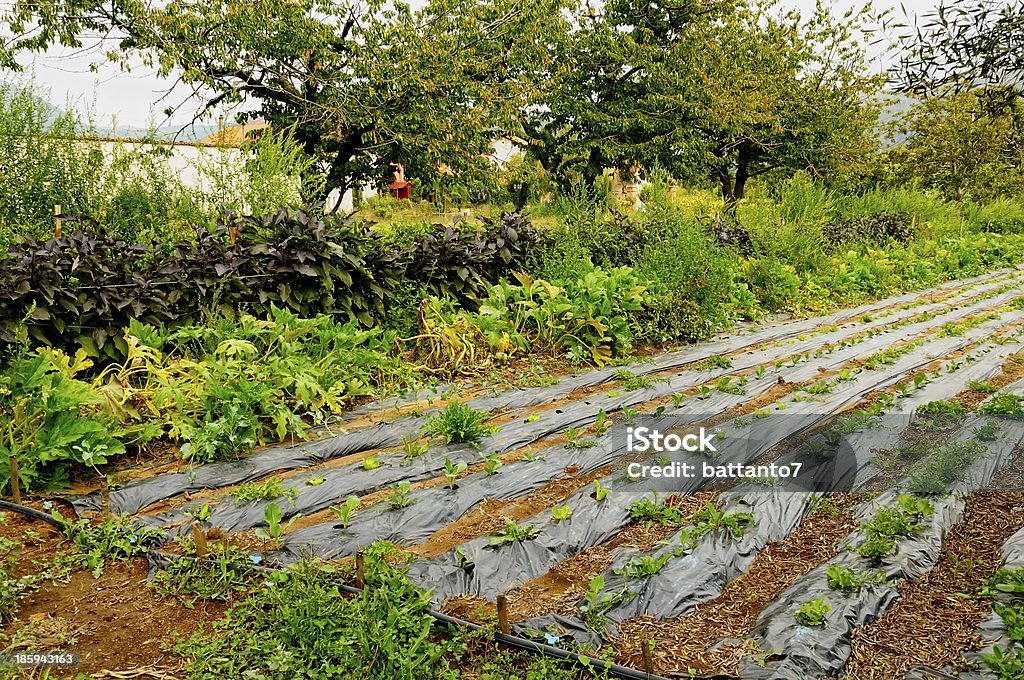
pixel 716 361
pixel 271 489
pixel 459 423
pixel 735 523
pixel 512 532
pixel 848 580
pixel 301 622
pixel 982 386
pixel 631 381
pixel 987 431
pixel 413 448
pixel 190 581
pixel 574 438
pixel 813 612
pixel 649 512
pixel 643 566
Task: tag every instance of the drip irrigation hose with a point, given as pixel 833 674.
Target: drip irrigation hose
pixel 513 641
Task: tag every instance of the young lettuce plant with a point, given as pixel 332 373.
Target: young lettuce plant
pixel 344 511
pixel 272 516
pixel 453 470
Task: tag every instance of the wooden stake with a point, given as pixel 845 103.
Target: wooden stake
pixel 56 221
pixel 15 482
pixel 503 626
pixel 199 536
pixel 648 661
pixel 360 569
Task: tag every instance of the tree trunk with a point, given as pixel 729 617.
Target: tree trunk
pixel 742 172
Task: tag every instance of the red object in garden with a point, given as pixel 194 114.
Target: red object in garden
pixel 400 189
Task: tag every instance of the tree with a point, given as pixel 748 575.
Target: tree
pixel 963 45
pixel 723 88
pixel 967 145
pixel 362 84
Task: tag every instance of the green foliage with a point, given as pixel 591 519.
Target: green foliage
pixel 587 316
pixel 643 566
pixel 597 601
pixel 1003 405
pixel 650 512
pixel 813 612
pixel 301 624
pixel 453 470
pixel 344 511
pixel 458 423
pixel 190 581
pixel 370 463
pixel 48 418
pixel 735 523
pixel 891 523
pixel 400 497
pixel 269 490
pixel 492 464
pixel 512 532
pixel 272 517
pixel 848 580
pixel 947 465
pixel 116 537
pixel 560 513
pixel 600 491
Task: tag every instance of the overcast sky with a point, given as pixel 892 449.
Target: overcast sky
pixel 138 98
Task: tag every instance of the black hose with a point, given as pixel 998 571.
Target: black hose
pixel 509 640
pixel 33 513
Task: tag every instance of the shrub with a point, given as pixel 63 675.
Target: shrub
pixel 458 423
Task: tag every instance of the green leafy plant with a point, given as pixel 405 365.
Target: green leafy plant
pixel 370 463
pixel 344 511
pixel 1003 405
pixel 200 513
pixel 575 438
pixel 561 512
pixel 648 512
pixel 813 612
pixel 848 580
pixel 643 566
pixel 459 423
pixel 512 532
pixel 413 448
pixel 400 496
pixel 492 464
pixel 600 491
pixel 716 361
pixel 271 489
pixel 272 516
pixel 735 523
pixel 452 471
